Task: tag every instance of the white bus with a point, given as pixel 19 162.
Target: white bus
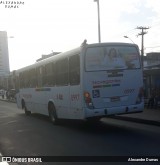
pixel 89 82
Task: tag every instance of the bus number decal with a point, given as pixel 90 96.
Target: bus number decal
pixel 75 97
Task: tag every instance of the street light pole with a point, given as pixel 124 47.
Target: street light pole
pixel 129 39
pixel 99 28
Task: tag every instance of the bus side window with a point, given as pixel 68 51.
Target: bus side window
pixel 49 74
pixel 74 70
pixel 62 72
pixel 22 80
pixel 40 76
pixel 26 79
pixel 53 74
pixel 33 79
pixel 17 82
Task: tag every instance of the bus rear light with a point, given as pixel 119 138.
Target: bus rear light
pixel 140 96
pixel 141 91
pixel 88 100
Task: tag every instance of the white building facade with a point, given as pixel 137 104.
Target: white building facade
pixel 4 55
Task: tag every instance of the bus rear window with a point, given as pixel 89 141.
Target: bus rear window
pixel 112 58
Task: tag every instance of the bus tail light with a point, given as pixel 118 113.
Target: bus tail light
pixel 88 100
pixel 140 95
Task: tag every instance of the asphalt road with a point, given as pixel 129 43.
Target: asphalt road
pixel 34 135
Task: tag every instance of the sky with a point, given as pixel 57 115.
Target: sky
pixel 45 26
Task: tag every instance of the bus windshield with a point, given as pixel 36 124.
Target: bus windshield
pixel 112 58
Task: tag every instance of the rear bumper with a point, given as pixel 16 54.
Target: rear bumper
pixel 114 110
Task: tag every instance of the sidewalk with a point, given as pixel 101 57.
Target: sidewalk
pixel 148 116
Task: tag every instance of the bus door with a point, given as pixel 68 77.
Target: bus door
pixel 61 91
pixel 75 110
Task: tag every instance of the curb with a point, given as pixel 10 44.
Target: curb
pixel 137 120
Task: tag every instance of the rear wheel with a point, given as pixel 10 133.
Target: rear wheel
pixel 25 109
pixel 52 114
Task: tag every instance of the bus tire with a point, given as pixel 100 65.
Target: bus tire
pixel 52 114
pixel 27 113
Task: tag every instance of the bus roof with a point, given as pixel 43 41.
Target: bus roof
pixel 111 43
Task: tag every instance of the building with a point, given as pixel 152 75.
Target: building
pixel 4 57
pixel 153 58
pixel 4 60
pixel 152 73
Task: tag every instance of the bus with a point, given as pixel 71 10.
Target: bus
pixel 88 83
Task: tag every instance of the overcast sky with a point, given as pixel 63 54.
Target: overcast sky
pixel 42 26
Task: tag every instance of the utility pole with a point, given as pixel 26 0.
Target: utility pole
pixel 142 44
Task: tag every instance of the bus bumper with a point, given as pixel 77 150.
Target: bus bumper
pixel 114 110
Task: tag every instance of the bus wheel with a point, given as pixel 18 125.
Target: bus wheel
pixel 52 114
pixel 26 111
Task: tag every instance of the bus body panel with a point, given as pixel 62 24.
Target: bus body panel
pixel 115 90
pixel 113 95
pixel 101 112
pixel 68 103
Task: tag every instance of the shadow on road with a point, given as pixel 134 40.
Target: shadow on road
pixel 100 127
